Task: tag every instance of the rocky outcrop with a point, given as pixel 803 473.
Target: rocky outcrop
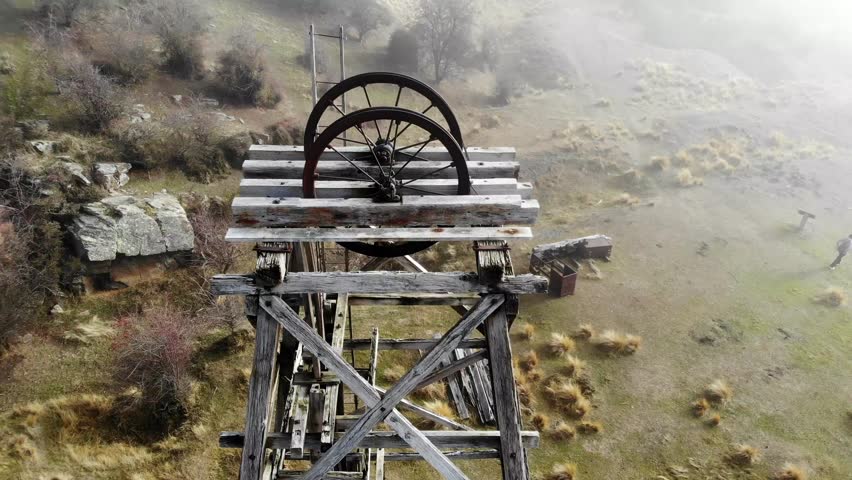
pixel 76 171
pixel 111 176
pixel 128 226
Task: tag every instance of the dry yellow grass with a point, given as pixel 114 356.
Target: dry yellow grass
pixel 439 407
pixel 584 331
pixel 790 472
pixel 563 431
pixel 743 455
pixel 433 391
pixel 560 344
pixel 625 199
pixel 394 373
pixel 563 471
pixel 700 407
pixel 88 331
pixel 541 422
pixel 589 427
pixel 611 341
pixel 579 409
pixel 528 361
pixel 686 179
pixel 714 420
pixel 718 392
pixel 527 332
pixel 563 393
pixel 535 375
pixel 832 297
pixel 573 366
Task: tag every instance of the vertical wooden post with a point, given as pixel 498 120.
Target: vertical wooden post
pixel 513 457
pixel 260 387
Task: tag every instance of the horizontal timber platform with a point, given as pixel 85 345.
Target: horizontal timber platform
pixel 415 298
pixel 297 152
pixel 341 168
pixel 437 234
pixel 378 282
pixel 407 344
pixel 390 439
pixel 283 187
pixel 459 210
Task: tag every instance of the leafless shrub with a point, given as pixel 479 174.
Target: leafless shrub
pixel 65 12
pixel 95 96
pixel 241 73
pixel 444 31
pixel 210 223
pixel 153 354
pixel 124 50
pixel 179 25
pixel 402 51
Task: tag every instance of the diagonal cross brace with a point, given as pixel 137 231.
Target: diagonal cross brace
pixel 381 408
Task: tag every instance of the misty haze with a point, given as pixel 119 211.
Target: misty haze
pixel 424 239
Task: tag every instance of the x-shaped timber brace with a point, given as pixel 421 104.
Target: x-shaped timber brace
pixel 279 426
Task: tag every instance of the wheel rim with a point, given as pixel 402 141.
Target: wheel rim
pixel 384 167
pixel 361 83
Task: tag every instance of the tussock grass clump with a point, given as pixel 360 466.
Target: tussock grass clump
pixel 434 391
pixel 714 420
pixel 686 179
pixel 527 332
pixel 790 472
pixel 524 395
pixel 563 392
pixel 614 342
pixel 833 297
pixel 589 427
pixel 88 331
pixel 535 375
pixel 563 431
pixel 439 407
pixel 584 331
pixel 560 345
pixel 660 163
pixel 393 374
pixel 574 366
pixel 21 447
pixel 718 392
pixel 625 199
pixel 541 422
pixel 563 471
pixel 700 407
pixel 580 408
pixel 743 455
pixel 528 361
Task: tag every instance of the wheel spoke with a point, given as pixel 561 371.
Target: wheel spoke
pixel 400 150
pixel 426 175
pixel 370 104
pixel 406 127
pixel 350 140
pixel 422 190
pixel 413 156
pixel 356 166
pixel 395 104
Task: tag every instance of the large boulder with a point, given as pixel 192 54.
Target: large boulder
pixel 111 176
pixel 123 225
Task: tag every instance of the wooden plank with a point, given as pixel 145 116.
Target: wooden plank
pixel 282 313
pixel 374 355
pixel 285 187
pixel 407 343
pixel 338 335
pixel 482 399
pixel 378 282
pixel 297 152
pixel 467 382
pixel 428 414
pixel 271 265
pixel 407 384
pixel 356 234
pixel 415 298
pixel 384 439
pixel 513 456
pixel 294 169
pixel 448 369
pixel 316 400
pixel 455 455
pixel 260 387
pixel 491 260
pixel 380 464
pixel 550 251
pixel 299 420
pixel 454 382
pixel 422 211
pixel 284 474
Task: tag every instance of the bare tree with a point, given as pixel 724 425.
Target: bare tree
pixel 444 31
pixel 96 96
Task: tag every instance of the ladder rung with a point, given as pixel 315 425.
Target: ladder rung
pixel 326 83
pixel 326 35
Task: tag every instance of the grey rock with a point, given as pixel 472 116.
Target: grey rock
pixel 223 117
pixel 111 175
pixel 130 226
pixel 177 99
pixel 57 309
pixel 42 146
pixel 7 66
pixel 208 102
pixel 33 129
pixel 259 138
pixel 76 171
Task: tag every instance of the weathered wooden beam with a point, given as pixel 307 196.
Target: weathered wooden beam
pixel 425 211
pixel 356 234
pixel 299 420
pixel 491 260
pixel 380 464
pixel 456 394
pixel 407 343
pixel 384 439
pixel 282 313
pixel 449 369
pixel 272 260
pixel 297 152
pixel 292 187
pixel 550 251
pixel 338 335
pixel 378 282
pixel 343 169
pixel 415 299
pixel 428 414
pixel 285 474
pixel 408 383
pixel 260 388
pixel 513 457
pixel 456 455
